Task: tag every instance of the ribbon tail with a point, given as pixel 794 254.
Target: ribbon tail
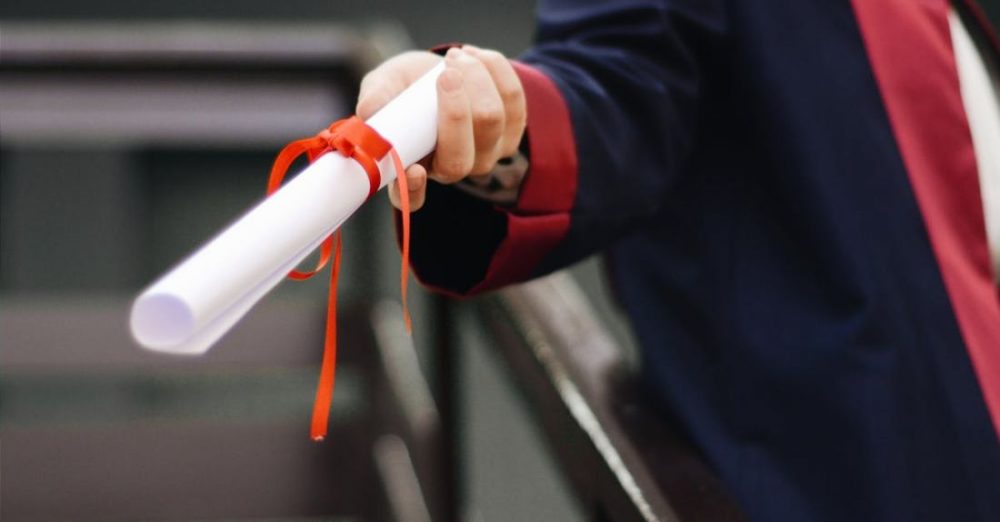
pixel 404 202
pixel 324 391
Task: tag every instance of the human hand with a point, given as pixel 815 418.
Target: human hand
pixel 481 113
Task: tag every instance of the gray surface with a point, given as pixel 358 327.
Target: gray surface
pixel 95 429
pixel 505 24
pixel 67 220
pixel 511 474
pixel 210 111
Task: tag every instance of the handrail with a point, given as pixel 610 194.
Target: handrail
pixel 624 461
pixel 313 46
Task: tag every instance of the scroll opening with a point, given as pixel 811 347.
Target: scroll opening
pixel 161 321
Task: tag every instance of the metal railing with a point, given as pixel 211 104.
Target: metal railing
pixel 623 459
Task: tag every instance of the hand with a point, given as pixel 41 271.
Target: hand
pixel 481 113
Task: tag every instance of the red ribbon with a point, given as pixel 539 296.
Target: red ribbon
pixel 354 139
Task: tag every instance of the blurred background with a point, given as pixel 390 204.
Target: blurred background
pixel 130 132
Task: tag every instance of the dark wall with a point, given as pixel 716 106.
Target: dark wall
pixel 505 24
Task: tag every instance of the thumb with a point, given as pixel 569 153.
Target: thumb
pixel 416 182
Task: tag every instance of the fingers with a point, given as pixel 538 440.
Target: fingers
pixel 481 113
pixel 390 78
pixel 511 94
pixel 456 145
pixel 488 118
pixel 416 182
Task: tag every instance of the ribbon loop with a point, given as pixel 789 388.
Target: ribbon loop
pixel 353 139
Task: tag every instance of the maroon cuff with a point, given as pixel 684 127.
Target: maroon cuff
pixel 541 217
pixel 503 245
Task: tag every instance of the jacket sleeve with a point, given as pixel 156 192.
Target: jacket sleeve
pixel 612 95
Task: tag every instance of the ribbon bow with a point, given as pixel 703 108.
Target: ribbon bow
pixel 354 139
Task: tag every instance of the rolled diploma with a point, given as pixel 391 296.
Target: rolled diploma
pixel 188 309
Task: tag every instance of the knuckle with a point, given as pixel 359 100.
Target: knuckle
pixel 486 159
pixel 513 95
pixel 510 148
pixel 516 124
pixel 492 54
pixel 452 169
pixel 491 57
pixel 483 166
pixel 455 115
pixel 491 116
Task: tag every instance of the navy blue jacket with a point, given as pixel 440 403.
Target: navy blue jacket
pixel 786 195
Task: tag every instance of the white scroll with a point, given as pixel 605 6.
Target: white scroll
pixel 189 308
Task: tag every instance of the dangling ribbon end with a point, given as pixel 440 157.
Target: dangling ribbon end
pixel 406 320
pixel 317 431
pixel 404 200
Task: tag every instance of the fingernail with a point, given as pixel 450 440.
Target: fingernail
pixel 470 48
pixel 451 80
pixel 453 53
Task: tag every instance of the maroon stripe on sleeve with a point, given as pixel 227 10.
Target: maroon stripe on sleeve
pixel 541 218
pixel 551 182
pixel 909 46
